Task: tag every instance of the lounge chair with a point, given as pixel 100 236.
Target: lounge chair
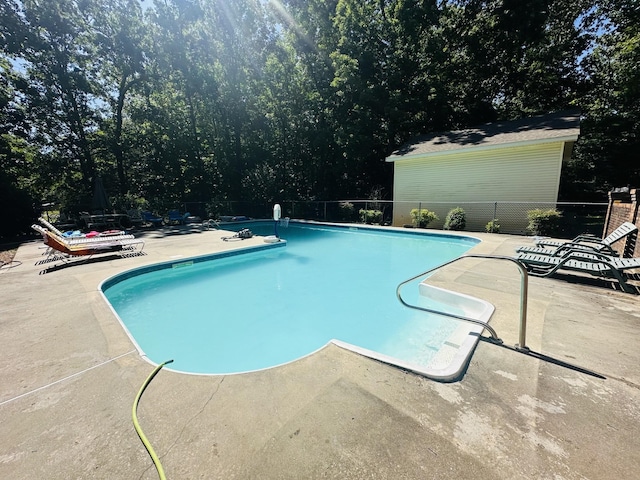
pixel 154 220
pixel 591 241
pixel 594 264
pixel 566 248
pixel 174 216
pixel 59 245
pixel 80 239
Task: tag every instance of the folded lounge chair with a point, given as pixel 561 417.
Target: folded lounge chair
pixel 59 245
pixel 594 264
pixel 591 241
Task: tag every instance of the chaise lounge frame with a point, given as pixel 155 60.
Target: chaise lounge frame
pixel 61 249
pixel 594 264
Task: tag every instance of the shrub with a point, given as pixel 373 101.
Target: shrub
pixel 346 211
pixel 493 226
pixel 543 222
pixel 456 219
pixel 17 208
pixel 370 216
pixel 422 218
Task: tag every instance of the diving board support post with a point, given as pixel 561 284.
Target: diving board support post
pixel 524 289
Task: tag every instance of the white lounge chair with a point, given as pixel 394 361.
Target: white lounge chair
pixel 61 249
pixel 84 239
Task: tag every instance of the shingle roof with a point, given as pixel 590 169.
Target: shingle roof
pixel 556 126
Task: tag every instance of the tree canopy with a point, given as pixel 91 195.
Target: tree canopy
pixel 176 101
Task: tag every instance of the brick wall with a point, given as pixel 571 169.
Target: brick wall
pixel 623 207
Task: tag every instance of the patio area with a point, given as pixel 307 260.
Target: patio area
pixel 70 374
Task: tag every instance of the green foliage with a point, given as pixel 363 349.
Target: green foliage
pixel 128 201
pixel 423 217
pixel 493 226
pixel 611 117
pixel 346 211
pixel 214 209
pixel 191 101
pixel 371 216
pixel 456 219
pixel 17 206
pixel 543 222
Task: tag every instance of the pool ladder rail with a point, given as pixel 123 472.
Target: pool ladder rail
pixel 524 287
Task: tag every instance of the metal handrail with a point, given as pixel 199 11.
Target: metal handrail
pixel 524 287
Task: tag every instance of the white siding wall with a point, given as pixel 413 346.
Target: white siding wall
pixel 513 174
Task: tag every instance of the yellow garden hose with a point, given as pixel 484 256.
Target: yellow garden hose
pixel 134 415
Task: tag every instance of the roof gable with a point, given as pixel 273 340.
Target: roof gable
pixel 560 126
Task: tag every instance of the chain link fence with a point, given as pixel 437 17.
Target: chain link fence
pixel 512 217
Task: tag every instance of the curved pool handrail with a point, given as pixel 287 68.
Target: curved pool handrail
pixel 524 287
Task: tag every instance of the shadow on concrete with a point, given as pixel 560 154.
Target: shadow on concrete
pixel 600 282
pixel 169 231
pixel 545 358
pixel 84 261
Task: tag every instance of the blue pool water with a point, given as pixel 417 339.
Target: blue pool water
pixel 268 307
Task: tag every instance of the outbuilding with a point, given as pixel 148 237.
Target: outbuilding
pixel 515 165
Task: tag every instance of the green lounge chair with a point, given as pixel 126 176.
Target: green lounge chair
pixel 594 264
pixel 565 249
pixel 589 241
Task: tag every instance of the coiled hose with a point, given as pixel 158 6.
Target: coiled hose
pixel 134 415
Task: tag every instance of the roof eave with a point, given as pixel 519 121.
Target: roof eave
pixel 473 148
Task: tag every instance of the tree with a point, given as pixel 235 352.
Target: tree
pixel 610 136
pixel 512 58
pixel 15 158
pixel 120 37
pixel 60 91
pixel 198 100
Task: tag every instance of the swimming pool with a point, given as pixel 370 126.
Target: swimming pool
pixel 238 312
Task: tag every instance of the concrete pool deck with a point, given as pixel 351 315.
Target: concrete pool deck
pixel 70 374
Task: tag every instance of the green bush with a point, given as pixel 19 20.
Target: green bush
pixel 493 226
pixel 346 211
pixel 422 218
pixel 370 216
pixel 543 222
pixel 17 208
pixel 456 219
